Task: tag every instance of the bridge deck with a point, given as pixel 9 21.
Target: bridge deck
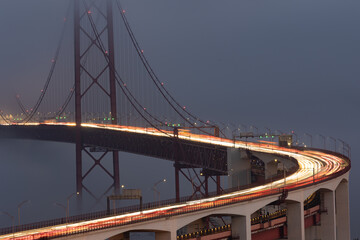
pixel 189 153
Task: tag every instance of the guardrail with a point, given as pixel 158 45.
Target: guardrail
pixel 162 214
pixel 134 208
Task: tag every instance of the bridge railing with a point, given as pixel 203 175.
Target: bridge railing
pixel 162 213
pixel 133 208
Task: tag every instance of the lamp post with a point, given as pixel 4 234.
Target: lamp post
pixel 234 129
pixel 68 203
pixel 324 140
pixel 62 206
pixel 334 141
pixel 348 150
pixel 157 191
pixel 19 206
pixel 233 132
pixel 243 128
pixel 269 130
pixel 296 137
pixel 343 145
pixel 12 220
pixel 257 130
pixel 307 134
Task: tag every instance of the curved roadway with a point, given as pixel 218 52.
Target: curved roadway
pixel 325 164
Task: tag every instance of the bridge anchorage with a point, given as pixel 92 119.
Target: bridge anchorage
pixel 114 102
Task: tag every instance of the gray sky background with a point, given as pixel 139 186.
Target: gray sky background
pixel 286 65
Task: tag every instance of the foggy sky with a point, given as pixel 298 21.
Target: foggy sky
pixel 286 65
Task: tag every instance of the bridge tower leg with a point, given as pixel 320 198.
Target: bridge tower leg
pixel 177 182
pixel 79 186
pixel 218 185
pixel 206 186
pixel 113 89
pixel 218 178
pixel 81 16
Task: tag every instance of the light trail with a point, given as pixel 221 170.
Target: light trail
pixel 310 162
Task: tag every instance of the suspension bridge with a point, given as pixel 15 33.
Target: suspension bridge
pixel 102 95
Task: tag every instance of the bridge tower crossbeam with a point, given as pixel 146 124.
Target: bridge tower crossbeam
pixel 82 16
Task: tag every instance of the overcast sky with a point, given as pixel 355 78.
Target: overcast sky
pixel 286 65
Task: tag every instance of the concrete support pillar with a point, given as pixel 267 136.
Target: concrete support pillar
pixel 328 218
pixel 165 235
pixel 241 227
pixel 270 169
pixel 239 168
pixel 295 221
pixel 342 211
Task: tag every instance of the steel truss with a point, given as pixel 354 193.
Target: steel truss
pixel 200 186
pixel 82 12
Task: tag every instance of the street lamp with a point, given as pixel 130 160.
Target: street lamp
pixel 155 189
pixel 243 127
pixel 68 202
pixel 343 145
pixel 324 140
pixel 12 220
pixel 62 206
pixel 257 130
pixel 334 141
pixel 296 137
pixel 269 130
pixel 233 132
pixel 234 129
pixel 19 206
pixel 307 134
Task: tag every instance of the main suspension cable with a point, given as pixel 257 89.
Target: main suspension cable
pixel 57 52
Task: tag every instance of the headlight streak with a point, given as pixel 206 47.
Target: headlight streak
pixel 310 162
